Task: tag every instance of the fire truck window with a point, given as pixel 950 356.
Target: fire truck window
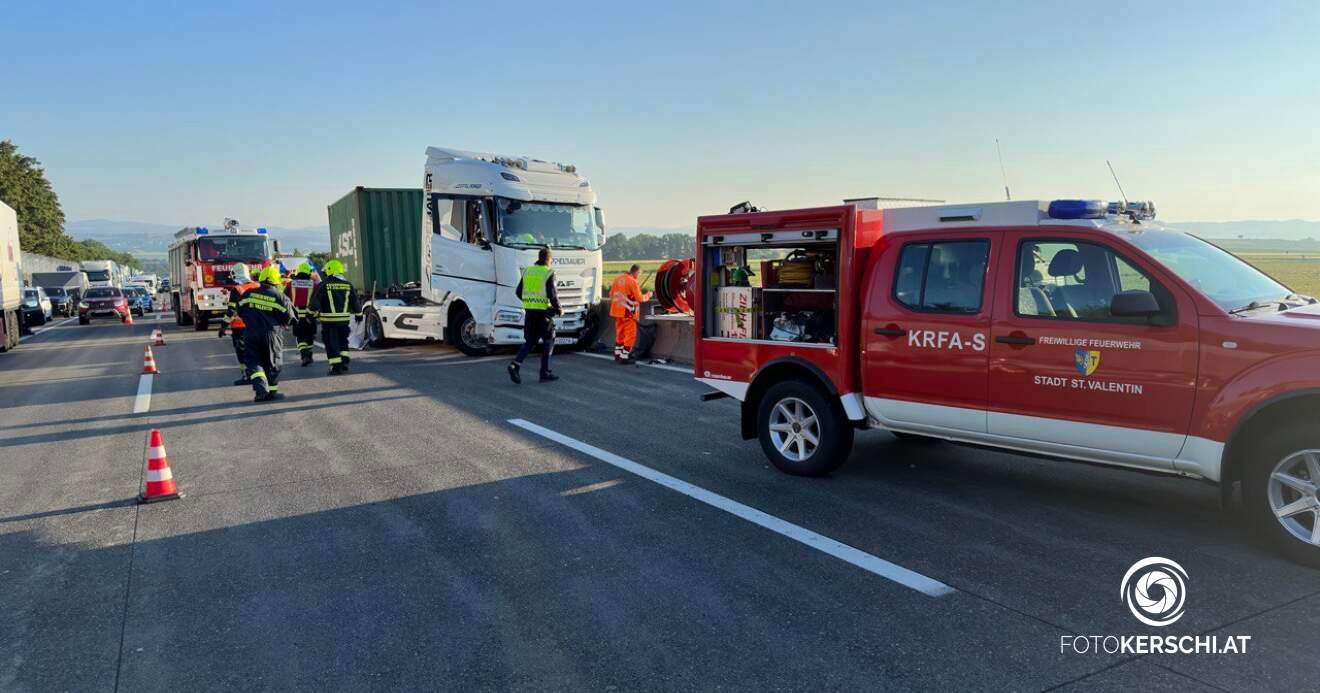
pixel 946 277
pixel 1076 281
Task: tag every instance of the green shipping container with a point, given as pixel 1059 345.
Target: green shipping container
pixel 376 233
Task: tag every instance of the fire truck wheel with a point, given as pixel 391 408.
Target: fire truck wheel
pixel 1281 493
pixel 802 431
pixel 200 320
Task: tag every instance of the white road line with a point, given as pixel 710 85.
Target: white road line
pixel 661 366
pixel 142 402
pixel 861 559
pixel 43 328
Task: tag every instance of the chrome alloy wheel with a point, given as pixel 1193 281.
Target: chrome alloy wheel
pixel 794 429
pixel 1294 494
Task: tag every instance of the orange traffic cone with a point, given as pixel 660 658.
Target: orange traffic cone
pixel 160 480
pixel 128 319
pixel 149 362
pixel 159 337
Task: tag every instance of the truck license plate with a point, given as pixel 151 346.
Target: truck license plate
pixel 565 340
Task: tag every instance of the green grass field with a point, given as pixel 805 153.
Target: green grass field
pixel 1299 271
pixel 613 268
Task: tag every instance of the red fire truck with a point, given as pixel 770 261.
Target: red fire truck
pixel 1070 329
pixel 200 262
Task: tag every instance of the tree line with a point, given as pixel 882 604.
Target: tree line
pixel 645 246
pixel 24 187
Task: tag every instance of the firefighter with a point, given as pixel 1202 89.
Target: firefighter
pixel 243 283
pixel 540 306
pixel 301 286
pixel 626 300
pixel 334 303
pixel 264 310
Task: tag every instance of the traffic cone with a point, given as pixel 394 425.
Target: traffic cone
pixel 149 362
pixel 159 337
pixel 160 480
pixel 128 319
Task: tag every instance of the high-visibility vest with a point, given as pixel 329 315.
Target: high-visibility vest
pixel 338 312
pixel 299 290
pixel 534 296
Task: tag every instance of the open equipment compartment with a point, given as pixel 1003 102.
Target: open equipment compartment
pixel 777 286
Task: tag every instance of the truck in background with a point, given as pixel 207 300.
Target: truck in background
pixel 150 282
pixel 200 263
pixel 442 263
pixel 64 288
pixel 11 285
pixel 102 273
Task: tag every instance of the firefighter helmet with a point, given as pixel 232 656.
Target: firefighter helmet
pixel 270 275
pixel 334 267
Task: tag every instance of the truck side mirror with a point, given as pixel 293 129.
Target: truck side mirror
pixel 1134 304
pixel 277 245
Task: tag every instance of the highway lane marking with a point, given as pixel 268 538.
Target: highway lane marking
pixel 661 366
pixel 873 564
pixel 142 402
pixel 39 330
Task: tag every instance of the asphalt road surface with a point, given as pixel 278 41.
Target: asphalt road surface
pixel 423 523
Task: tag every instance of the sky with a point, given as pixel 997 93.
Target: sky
pixel 267 112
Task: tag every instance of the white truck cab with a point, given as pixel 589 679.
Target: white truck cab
pixel 484 218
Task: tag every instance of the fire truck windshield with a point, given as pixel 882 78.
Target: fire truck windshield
pixel 232 248
pixel 1220 275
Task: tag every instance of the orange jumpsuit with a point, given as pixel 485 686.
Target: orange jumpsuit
pixel 625 306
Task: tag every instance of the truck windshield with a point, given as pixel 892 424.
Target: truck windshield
pixel 1220 275
pixel 98 275
pixel 231 249
pixel 533 224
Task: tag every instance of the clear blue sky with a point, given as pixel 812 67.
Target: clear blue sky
pixel 184 113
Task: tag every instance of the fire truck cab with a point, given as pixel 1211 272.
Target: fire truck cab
pixel 1071 329
pixel 201 260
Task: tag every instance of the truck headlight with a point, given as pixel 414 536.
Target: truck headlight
pixel 507 316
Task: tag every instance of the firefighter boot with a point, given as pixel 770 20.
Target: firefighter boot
pixel 307 358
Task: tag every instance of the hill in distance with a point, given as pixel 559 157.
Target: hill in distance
pixel 148 239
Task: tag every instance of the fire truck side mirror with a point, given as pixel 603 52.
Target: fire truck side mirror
pixel 1134 304
pixel 277 245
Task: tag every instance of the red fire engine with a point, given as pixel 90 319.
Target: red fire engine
pixel 200 262
pixel 1071 329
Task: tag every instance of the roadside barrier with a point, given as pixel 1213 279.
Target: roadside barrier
pixel 160 480
pixel 148 362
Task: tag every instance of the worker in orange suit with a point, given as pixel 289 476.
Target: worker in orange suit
pixel 626 300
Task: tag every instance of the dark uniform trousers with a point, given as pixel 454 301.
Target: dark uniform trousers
pixel 240 349
pixel 265 357
pixel 335 336
pixel 304 330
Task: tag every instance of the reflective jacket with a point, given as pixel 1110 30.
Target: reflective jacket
pixel 264 309
pixel 299 290
pixel 536 288
pixel 335 301
pixel 625 296
pixel 235 295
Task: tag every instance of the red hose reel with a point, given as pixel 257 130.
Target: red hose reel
pixel 673 285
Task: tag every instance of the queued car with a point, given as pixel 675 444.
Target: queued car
pixel 36 306
pixel 61 301
pixel 140 301
pixel 103 301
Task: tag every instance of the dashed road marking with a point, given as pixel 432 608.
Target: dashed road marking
pixel 890 571
pixel 142 402
pixel 44 328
